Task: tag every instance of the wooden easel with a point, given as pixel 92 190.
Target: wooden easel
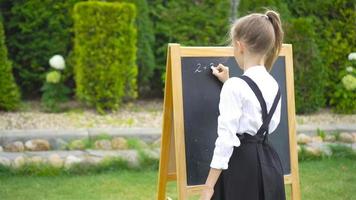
pixel 172 165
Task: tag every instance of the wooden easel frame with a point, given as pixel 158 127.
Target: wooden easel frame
pixel 172 165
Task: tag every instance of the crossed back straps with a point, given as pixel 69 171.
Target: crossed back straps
pixel 266 117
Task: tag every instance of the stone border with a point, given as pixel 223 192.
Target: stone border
pixel 146 134
pixel 311 129
pixel 68 158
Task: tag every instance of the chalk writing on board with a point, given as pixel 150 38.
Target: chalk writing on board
pixel 201 68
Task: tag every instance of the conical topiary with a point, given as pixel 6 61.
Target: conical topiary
pixel 9 92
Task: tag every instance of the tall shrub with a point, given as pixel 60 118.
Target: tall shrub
pixel 145 42
pixel 309 72
pixel 9 93
pixel 35 31
pixel 105 53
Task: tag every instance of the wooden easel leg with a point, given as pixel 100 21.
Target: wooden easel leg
pixel 295 191
pixel 166 133
pixel 163 170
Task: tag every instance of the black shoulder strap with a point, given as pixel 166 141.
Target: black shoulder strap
pixel 265 125
pixel 266 117
pixel 258 94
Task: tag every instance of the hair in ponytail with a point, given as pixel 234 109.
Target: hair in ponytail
pixel 262 34
pixel 278 35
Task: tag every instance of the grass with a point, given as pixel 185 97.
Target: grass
pixel 320 180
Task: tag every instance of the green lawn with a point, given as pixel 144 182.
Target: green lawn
pixel 320 180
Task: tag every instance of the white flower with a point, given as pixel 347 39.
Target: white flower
pixel 349 69
pixel 349 82
pixel 352 56
pixel 57 62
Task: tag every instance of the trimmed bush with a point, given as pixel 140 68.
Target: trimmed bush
pixel 105 53
pixel 309 72
pixel 9 93
pixel 145 42
pixel 35 31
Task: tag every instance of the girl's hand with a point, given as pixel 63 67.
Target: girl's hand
pixel 207 193
pixel 221 72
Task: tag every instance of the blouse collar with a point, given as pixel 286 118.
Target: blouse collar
pixel 254 68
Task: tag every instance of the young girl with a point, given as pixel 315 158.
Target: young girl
pixel 244 165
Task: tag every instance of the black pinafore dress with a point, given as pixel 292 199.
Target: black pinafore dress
pixel 255 170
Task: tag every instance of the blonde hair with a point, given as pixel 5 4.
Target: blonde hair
pixel 262 34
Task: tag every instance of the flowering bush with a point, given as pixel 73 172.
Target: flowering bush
pixel 54 90
pixel 57 62
pixel 53 77
pixel 344 97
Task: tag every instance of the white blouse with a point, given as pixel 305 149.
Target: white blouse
pixel 240 112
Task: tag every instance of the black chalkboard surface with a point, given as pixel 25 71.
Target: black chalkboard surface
pixel 201 91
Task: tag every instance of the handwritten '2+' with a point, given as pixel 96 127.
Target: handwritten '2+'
pixel 201 68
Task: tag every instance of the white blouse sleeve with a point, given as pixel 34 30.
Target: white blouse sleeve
pixel 228 121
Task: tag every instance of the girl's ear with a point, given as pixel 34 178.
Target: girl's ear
pixel 240 47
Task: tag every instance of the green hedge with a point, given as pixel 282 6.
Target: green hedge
pixel 334 24
pixel 309 72
pixel 195 23
pixel 105 53
pixel 9 93
pixel 145 42
pixel 36 30
pixel 247 6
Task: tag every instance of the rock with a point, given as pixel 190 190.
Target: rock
pixel 15 147
pixel 76 145
pixel 119 143
pixel 317 139
pixel 354 136
pixel 312 151
pixel 323 148
pixel 103 144
pixel 19 162
pixel 303 139
pixel 151 154
pixel 37 145
pixel 60 144
pixel 55 160
pixel 132 158
pixel 330 138
pixel 1 149
pixel 5 161
pixel 36 160
pixel 346 137
pixel 71 160
pixel 299 148
pixel 92 160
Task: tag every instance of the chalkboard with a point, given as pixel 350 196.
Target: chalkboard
pixel 201 94
pixel 190 112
